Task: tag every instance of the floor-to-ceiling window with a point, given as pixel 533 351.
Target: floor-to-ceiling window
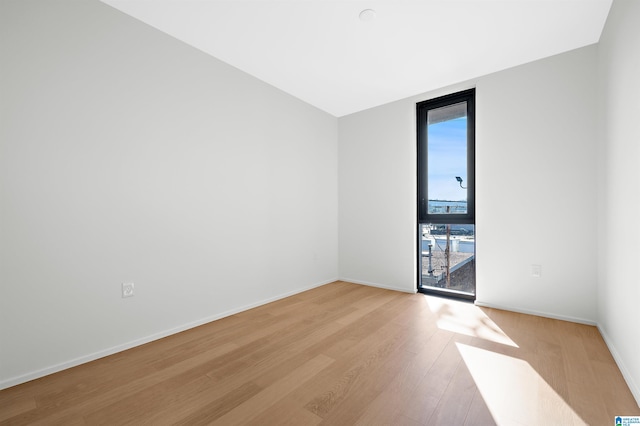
pixel 446 195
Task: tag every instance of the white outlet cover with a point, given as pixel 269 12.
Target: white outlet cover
pixel 127 289
pixel 536 271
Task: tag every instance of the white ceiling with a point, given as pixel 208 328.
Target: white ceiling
pixel 320 51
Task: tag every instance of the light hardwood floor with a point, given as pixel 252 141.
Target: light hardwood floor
pixel 344 354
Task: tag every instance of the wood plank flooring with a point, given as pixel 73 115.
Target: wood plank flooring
pixel 344 354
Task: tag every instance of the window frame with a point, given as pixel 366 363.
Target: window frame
pixel 422 109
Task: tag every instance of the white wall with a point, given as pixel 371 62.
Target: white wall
pixel 535 177
pixel 126 155
pixel 536 180
pixel 376 197
pixel 619 252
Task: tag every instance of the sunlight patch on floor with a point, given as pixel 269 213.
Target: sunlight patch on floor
pixel 514 392
pixel 465 318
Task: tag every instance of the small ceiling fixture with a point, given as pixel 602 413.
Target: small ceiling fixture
pixel 367 15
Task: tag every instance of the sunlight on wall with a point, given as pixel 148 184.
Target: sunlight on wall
pixel 467 319
pixel 514 392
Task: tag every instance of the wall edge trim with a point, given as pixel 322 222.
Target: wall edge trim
pixel 378 285
pixel 633 386
pixel 536 313
pixel 23 378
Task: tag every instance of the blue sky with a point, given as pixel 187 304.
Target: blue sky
pixel 447 158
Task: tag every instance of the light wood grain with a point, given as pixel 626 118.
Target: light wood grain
pixel 343 354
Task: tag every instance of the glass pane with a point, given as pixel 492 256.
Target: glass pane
pixel 447 159
pixel 448 258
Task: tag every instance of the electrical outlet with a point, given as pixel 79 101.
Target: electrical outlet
pixel 536 271
pixel 127 290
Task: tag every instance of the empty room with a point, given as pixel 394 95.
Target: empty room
pixel 319 212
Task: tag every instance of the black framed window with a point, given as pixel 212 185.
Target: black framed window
pixel 446 159
pixel 446 195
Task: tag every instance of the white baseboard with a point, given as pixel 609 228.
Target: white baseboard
pixel 633 386
pixel 370 284
pixel 536 313
pixel 13 381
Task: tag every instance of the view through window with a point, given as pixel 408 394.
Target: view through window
pixel 446 195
